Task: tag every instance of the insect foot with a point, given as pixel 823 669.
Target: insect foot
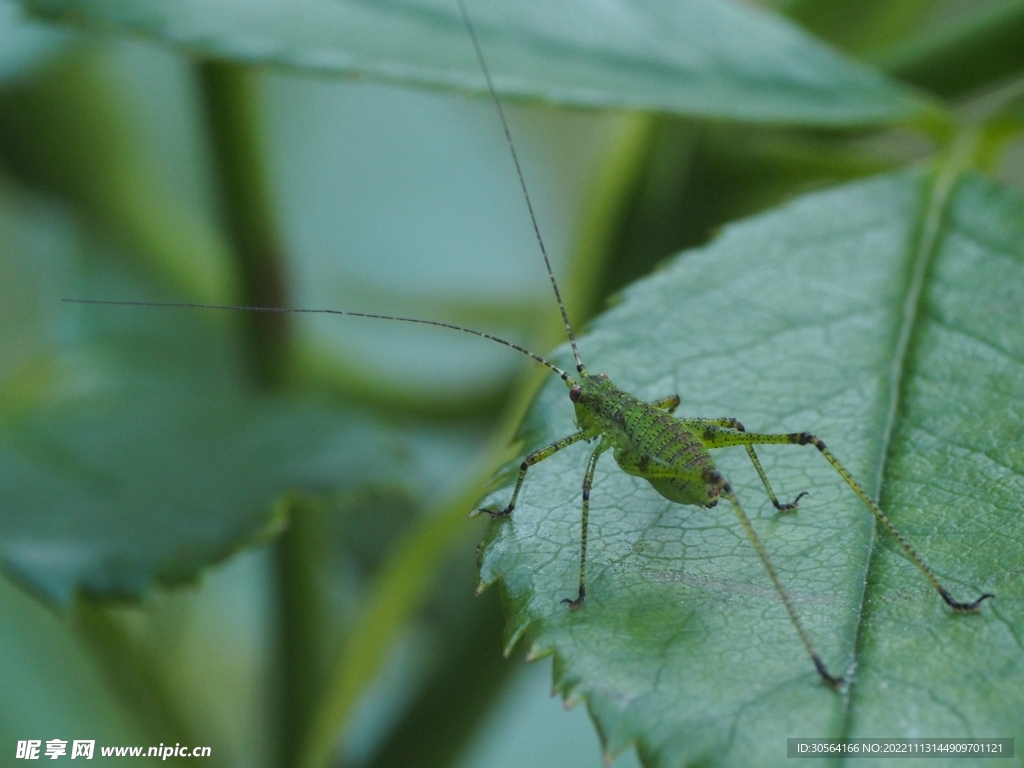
pixel 574 604
pixel 494 513
pixel 791 507
pixel 832 680
pixel 956 605
pixel 806 438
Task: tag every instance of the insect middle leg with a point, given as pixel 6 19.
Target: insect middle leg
pixel 767 486
pixel 588 481
pixel 749 439
pixel 728 423
pixel 539 455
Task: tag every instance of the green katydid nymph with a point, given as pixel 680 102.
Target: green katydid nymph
pixel 645 438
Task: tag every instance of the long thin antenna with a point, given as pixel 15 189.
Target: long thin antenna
pixel 522 179
pixel 195 305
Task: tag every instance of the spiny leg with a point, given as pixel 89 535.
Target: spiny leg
pixel 714 478
pixel 805 438
pixel 670 403
pixel 588 481
pixel 727 422
pixel 767 486
pixel 539 455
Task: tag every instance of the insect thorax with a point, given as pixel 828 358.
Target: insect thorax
pixel 647 441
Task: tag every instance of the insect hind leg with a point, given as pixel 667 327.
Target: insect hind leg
pixel 749 439
pixel 715 478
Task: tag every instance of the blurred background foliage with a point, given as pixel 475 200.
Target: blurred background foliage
pixel 239 530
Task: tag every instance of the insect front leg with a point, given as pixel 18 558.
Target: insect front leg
pixel 669 403
pixel 715 478
pixel 588 481
pixel 539 455
pixel 806 438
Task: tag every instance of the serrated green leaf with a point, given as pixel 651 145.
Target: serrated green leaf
pixel 131 450
pixel 700 57
pixel 891 331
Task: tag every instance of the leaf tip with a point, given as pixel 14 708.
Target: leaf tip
pixel 514 630
pixel 538 652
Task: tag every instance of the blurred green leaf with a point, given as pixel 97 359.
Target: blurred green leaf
pixel 969 52
pixel 131 450
pixel 883 316
pixel 80 129
pixel 856 26
pixel 700 57
pixel 23 42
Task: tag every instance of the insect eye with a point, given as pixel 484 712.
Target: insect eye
pixel 575 392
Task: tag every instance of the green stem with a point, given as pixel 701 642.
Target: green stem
pixel 401 586
pixel 448 709
pixel 617 182
pixel 300 557
pixel 231 102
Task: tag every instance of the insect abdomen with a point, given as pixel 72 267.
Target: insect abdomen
pixel 672 458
